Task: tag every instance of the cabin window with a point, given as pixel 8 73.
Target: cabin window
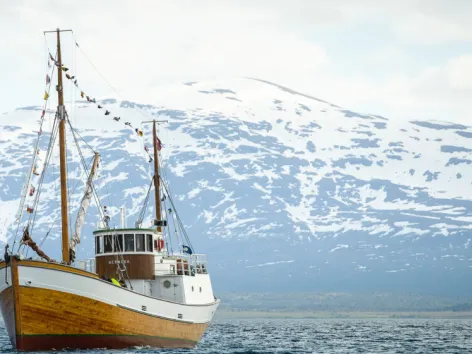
pixel 149 243
pixel 118 242
pixel 140 247
pixel 107 245
pixel 129 243
pixel 98 248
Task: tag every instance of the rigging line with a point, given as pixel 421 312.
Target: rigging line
pixel 81 138
pixel 106 187
pixel 25 189
pixel 57 218
pixel 94 192
pixel 103 77
pixel 146 200
pixel 179 221
pixel 169 232
pixel 43 174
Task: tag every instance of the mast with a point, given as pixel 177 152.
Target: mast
pixel 156 176
pixel 62 149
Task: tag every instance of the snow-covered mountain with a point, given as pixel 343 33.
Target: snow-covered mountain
pixel 282 190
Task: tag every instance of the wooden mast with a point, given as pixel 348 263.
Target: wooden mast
pixel 62 149
pixel 156 176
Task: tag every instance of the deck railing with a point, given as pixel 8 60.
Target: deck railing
pixel 186 264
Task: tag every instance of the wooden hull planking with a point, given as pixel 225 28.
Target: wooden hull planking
pixel 45 319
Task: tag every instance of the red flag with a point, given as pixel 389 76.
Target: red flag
pixel 43 113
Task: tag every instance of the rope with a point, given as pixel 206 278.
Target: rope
pixel 84 164
pixel 25 189
pixel 57 218
pixel 179 221
pixel 143 209
pixel 43 174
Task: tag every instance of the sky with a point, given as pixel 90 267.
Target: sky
pixel 403 59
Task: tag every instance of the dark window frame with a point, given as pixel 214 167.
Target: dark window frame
pixel 127 243
pixel 107 244
pixel 140 244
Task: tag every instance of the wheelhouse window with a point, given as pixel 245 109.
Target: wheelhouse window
pixel 118 243
pixel 107 244
pixel 129 243
pixel 149 243
pixel 140 246
pixel 98 244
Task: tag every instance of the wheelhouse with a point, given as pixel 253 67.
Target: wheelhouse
pixel 127 241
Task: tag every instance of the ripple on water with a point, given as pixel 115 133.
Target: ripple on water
pixel 261 336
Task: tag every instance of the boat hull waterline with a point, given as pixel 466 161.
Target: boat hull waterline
pixel 51 306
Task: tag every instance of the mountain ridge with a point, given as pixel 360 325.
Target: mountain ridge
pixel 302 189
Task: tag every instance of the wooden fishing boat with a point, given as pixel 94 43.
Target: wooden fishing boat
pixel 135 292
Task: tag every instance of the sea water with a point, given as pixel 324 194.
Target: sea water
pixel 322 336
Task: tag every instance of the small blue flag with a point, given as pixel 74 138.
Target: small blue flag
pixel 187 249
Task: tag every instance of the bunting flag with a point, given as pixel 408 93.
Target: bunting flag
pixel 46 95
pixel 43 113
pixel 48 79
pixel 49 64
pixel 107 112
pixel 32 189
pixel 29 209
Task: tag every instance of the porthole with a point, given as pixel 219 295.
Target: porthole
pixel 167 284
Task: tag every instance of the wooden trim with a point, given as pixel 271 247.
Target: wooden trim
pixel 90 324
pixel 16 294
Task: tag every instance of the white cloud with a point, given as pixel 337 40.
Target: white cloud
pixel 138 45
